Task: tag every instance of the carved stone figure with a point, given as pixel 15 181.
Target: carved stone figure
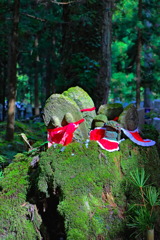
pixel 60 110
pixel 129 118
pixel 84 102
pixel 111 110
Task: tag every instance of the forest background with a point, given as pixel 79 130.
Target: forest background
pixel 109 48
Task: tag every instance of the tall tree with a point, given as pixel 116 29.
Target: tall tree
pixel 12 71
pixel 104 76
pixel 36 85
pixel 138 57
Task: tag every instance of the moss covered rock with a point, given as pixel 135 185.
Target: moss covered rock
pixel 18 218
pixel 99 120
pixel 111 110
pixel 83 101
pixel 60 110
pixel 91 185
pixel 129 118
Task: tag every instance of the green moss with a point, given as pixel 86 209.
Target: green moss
pixel 15 219
pixel 111 110
pixel 83 100
pixel 82 174
pixel 92 183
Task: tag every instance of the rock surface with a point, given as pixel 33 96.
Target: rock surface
pixel 60 110
pixel 85 185
pixel 84 101
pixel 129 118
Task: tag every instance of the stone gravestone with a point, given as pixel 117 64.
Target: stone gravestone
pixel 156 123
pixel 141 118
pixel 60 110
pixel 129 118
pixel 84 101
pixel 156 106
pixel 28 110
pixel 22 111
pixel 111 110
pixel 148 104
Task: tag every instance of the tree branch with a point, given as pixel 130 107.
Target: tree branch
pixel 34 17
pixel 64 3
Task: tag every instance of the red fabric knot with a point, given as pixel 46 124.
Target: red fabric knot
pixel 63 135
pixel 88 109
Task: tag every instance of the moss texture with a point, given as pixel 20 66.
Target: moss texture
pixel 18 219
pixel 92 185
pixel 83 100
pixel 129 118
pixel 57 106
pixel 111 110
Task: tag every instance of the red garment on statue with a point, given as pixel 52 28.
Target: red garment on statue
pixel 98 134
pixel 63 135
pixel 135 137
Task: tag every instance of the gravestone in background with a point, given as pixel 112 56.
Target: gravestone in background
pixel 129 118
pixel 141 119
pixel 148 99
pixel 156 123
pixel 156 106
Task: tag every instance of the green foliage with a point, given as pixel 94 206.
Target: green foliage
pixel 35 132
pixel 122 87
pixel 81 173
pixel 15 222
pixel 142 212
pixel 142 221
pixel 138 178
pixel 89 182
pixel 124 49
pixel 150 132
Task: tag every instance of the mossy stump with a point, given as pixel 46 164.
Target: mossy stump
pixel 91 185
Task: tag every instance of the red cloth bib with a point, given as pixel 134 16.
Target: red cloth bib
pixel 62 135
pixel 98 134
pixel 135 137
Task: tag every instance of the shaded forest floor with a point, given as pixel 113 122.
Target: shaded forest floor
pixel 35 133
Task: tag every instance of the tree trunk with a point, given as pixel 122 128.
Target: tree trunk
pixel 48 77
pixel 104 76
pixel 138 60
pixel 4 91
pixel 12 71
pixel 36 84
pixel 36 91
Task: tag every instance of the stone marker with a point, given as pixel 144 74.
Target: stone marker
pixel 60 110
pixel 28 110
pixel 148 96
pixel 156 123
pixel 156 106
pixel 99 121
pixel 84 101
pixel 141 119
pixel 111 110
pixel 129 118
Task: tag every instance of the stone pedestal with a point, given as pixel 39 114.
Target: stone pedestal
pixel 141 120
pixel 156 123
pixel 156 105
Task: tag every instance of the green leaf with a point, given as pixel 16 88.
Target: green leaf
pixel 138 177
pixel 152 196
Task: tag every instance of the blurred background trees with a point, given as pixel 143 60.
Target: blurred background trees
pixel 102 46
